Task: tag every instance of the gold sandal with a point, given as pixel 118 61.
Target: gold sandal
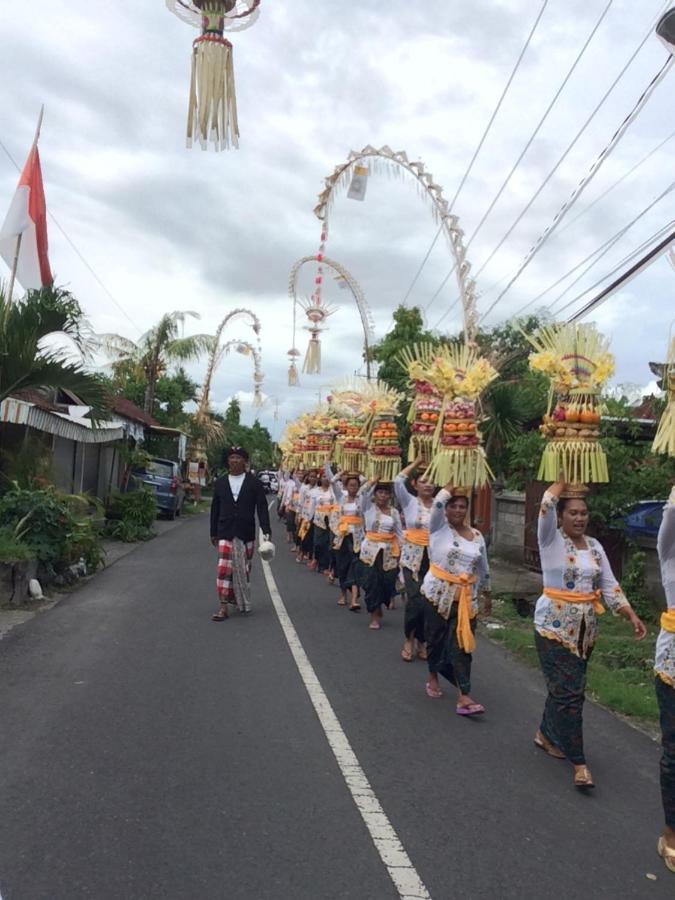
pixel 544 744
pixel 667 854
pixel 583 778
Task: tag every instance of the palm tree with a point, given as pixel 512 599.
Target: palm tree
pixel 155 349
pixel 29 356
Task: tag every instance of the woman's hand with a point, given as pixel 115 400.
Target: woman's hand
pixel 639 627
pixel 486 604
pixel 558 487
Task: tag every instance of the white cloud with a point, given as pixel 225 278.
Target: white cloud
pixel 165 228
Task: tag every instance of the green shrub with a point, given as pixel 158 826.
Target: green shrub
pixel 55 527
pixel 12 549
pixel 131 515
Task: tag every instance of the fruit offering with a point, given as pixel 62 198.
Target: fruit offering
pixel 384 452
pixel 424 414
pixel 347 432
pixel 459 425
pixel 572 420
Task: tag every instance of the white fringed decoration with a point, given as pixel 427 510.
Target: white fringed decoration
pixel 212 109
pixel 312 363
pixel 292 375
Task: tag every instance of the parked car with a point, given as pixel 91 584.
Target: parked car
pixel 274 484
pixel 269 481
pixel 163 476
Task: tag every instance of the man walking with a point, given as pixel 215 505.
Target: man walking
pixel 236 498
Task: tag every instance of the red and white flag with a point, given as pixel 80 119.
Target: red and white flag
pixel 27 217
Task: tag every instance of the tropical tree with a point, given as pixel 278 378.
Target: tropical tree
pixel 150 356
pixel 44 342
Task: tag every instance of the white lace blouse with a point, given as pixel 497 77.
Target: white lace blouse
pixel 450 551
pixel 564 567
pixel 346 507
pixel 664 665
pixel 416 515
pixel 375 520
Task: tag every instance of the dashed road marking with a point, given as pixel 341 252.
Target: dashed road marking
pixel 392 853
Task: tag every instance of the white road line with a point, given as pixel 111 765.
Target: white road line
pixel 397 862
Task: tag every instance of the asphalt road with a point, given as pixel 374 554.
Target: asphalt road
pixel 147 752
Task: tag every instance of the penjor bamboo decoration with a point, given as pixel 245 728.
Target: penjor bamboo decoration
pixel 577 361
pixel 212 107
pixel 664 442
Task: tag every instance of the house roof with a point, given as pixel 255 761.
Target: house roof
pixel 129 410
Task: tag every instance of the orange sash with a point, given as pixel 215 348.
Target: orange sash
pixel 346 521
pixel 465 637
pixel 384 537
pixel 417 536
pixel 561 596
pixel 668 621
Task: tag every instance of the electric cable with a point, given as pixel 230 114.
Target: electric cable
pixel 478 148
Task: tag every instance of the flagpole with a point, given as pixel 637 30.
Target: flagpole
pixel 15 263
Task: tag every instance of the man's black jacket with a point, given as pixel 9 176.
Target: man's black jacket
pixel 230 519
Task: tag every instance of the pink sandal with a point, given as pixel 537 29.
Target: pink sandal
pixel 434 693
pixel 471 709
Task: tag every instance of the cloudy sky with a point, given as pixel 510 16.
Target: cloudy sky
pixel 163 228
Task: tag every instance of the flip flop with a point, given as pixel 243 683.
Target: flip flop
pixel 434 693
pixel 342 602
pixel 356 608
pixel 473 709
pixel 374 626
pixel 422 654
pixel 406 655
pixel 666 854
pixel 220 616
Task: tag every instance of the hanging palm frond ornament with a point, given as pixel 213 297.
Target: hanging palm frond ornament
pixel 317 312
pixel 664 442
pixel 212 107
pixel 577 361
pixel 425 409
pixel 293 379
pixel 459 375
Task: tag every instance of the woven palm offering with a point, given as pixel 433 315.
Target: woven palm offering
pixel 318 445
pixel 664 442
pixel 425 409
pixel 460 376
pixel 380 405
pixel 577 360
pixel 351 444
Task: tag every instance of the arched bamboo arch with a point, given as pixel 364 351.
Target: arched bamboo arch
pixel 356 292
pixel 246 349
pixel 217 355
pixel 397 161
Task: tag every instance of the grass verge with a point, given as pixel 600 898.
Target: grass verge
pixel 620 674
pixel 201 506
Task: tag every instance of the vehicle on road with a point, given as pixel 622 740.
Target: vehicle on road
pixel 269 481
pixel 163 476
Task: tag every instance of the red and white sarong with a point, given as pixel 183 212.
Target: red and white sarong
pixel 234 570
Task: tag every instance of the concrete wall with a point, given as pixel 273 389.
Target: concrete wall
pixel 508 525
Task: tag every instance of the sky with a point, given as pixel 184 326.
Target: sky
pixel 144 226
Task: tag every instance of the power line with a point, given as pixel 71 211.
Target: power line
pixel 540 123
pixel 478 149
pixel 617 267
pixel 598 199
pixel 628 276
pixel 585 181
pixel 76 250
pixel 565 153
pixel 598 253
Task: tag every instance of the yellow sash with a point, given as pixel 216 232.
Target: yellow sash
pixel 326 509
pixel 561 596
pixel 465 637
pixel 417 536
pixel 346 521
pixel 303 529
pixel 668 621
pixel 384 537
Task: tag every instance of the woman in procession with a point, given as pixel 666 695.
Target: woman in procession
pixel 320 510
pixel 458 573
pixel 577 577
pixel 664 667
pixel 416 509
pixel 380 550
pixel 304 537
pixel 290 505
pixel 350 534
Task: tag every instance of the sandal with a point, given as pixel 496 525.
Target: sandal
pixel 374 626
pixel 544 744
pixel 666 853
pixel 422 653
pixel 221 615
pixel 355 608
pixel 406 654
pixel 471 709
pixel 583 778
pixel 434 693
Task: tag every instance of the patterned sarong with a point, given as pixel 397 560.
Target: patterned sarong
pixel 234 570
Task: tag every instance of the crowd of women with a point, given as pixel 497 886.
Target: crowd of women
pixel 373 538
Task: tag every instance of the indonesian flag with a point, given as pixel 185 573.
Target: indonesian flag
pixel 27 217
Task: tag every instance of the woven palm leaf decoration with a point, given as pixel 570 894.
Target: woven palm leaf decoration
pixel 380 407
pixel 577 361
pixel 425 409
pixel 459 375
pixel 664 442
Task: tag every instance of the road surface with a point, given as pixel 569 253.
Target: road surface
pixel 147 752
